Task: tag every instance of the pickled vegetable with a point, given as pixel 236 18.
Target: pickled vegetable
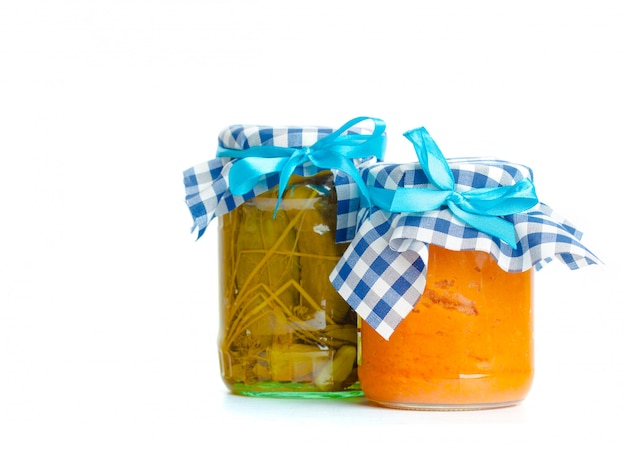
pixel 285 330
pixel 316 243
pixel 267 264
pixel 335 371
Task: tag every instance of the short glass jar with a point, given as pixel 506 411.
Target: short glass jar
pixel 284 330
pixel 467 344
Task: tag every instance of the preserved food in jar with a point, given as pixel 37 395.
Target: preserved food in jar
pixel 467 344
pixel 440 272
pixel 284 330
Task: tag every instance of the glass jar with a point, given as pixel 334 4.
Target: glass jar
pixel 467 344
pixel 284 330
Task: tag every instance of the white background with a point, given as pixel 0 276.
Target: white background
pixel 108 311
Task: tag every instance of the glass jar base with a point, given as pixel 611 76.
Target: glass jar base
pixel 445 407
pixel 292 390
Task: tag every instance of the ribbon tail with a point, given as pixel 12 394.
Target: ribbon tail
pixel 245 174
pixel 329 159
pixel 287 170
pixel 492 225
pixel 505 200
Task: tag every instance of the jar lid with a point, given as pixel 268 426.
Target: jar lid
pixel 460 204
pixel 251 160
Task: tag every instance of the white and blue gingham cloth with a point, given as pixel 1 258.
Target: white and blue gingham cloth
pixel 207 189
pixel 382 274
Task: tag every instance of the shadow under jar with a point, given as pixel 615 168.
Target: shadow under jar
pixel 284 330
pixel 468 343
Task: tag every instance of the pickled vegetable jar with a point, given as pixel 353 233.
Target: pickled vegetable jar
pixel 286 199
pixel 284 328
pixel 440 273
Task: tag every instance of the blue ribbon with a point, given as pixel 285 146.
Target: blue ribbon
pixel 481 208
pixel 333 151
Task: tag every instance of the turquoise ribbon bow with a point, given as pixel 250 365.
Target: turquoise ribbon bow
pixel 481 208
pixel 333 151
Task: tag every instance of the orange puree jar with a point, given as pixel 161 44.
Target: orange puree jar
pixel 440 273
pixel 467 344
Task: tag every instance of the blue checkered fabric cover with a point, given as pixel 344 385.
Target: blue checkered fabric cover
pixel 383 272
pixel 206 185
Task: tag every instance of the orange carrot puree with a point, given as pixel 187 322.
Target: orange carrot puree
pixel 468 342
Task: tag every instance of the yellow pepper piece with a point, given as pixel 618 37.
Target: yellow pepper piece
pixel 336 370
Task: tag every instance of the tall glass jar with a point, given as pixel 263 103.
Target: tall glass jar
pixel 468 343
pixel 284 330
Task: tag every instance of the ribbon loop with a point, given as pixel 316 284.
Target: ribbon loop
pixel 431 159
pixel 481 208
pixel 333 151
